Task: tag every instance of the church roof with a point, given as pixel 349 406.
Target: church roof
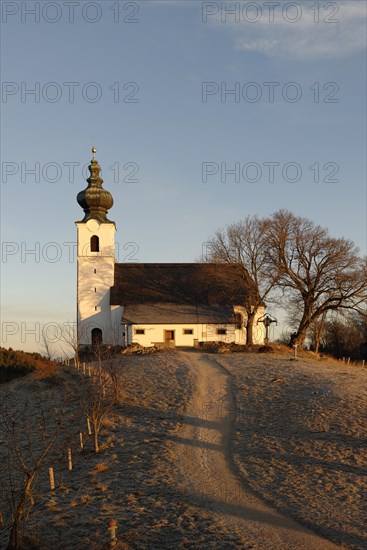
pixel 168 313
pixel 191 284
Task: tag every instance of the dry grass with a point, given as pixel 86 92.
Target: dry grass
pixel 133 458
pixel 53 506
pixel 100 467
pixel 44 369
pixel 85 500
pixel 74 503
pixel 108 422
pixel 102 487
pixel 110 507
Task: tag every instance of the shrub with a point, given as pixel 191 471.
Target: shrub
pixel 14 364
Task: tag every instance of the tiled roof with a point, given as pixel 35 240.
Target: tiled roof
pixel 168 313
pixel 191 284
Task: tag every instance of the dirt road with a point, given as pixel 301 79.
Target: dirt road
pixel 207 471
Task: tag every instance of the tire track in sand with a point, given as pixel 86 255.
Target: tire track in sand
pixel 207 474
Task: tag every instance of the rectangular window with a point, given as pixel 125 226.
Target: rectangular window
pixel 188 331
pixel 238 320
pixel 221 331
pixel 139 331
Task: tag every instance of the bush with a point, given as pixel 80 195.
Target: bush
pixel 266 349
pixel 222 347
pixel 14 364
pixel 138 349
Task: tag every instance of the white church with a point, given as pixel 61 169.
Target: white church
pixel 175 304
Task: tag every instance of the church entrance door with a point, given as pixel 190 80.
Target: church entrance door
pixel 96 337
pixel 169 337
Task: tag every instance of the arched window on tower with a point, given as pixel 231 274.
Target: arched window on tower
pixel 94 244
pixel 96 337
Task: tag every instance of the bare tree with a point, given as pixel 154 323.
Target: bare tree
pixel 27 439
pixel 318 330
pixel 112 366
pixel 95 402
pixel 244 244
pixel 325 273
pixel 71 336
pixel 346 335
pixel 108 357
pixel 46 346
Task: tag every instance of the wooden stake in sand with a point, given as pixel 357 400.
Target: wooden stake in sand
pixel 83 368
pixel 52 480
pixel 88 426
pixel 70 461
pixel 81 441
pixel 88 370
pixel 295 350
pixel 112 528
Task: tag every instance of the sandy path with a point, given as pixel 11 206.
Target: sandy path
pixel 207 472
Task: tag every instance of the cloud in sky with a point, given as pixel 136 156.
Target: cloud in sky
pixel 304 39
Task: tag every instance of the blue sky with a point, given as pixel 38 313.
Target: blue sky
pixel 174 64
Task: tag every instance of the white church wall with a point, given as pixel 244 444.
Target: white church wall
pixel 95 277
pixel 154 334
pixel 105 233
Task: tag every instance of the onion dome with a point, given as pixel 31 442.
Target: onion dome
pixel 95 200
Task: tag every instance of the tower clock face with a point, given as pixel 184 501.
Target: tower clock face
pixel 93 226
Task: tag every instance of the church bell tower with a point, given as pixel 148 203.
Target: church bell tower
pixel 95 262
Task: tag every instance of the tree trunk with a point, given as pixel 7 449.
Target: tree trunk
pixel 317 341
pixel 250 329
pixel 300 338
pixel 15 540
pixel 95 437
pixel 318 330
pixel 304 325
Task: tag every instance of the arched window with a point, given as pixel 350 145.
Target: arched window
pixel 96 337
pixel 94 244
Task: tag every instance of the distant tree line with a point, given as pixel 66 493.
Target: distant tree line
pixel 342 336
pixel 295 264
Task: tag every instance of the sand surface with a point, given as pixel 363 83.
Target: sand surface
pixel 207 468
pixel 300 440
pixel 194 439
